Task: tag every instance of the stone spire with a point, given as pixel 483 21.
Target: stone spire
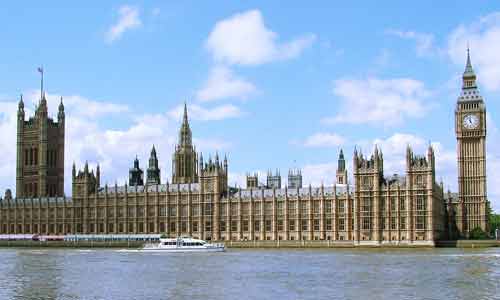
pixel 341 161
pixel 185 137
pixel 185 160
pixel 60 115
pixel 153 171
pixel 469 77
pixel 136 174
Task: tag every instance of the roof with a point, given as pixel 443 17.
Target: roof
pixel 183 187
pixel 303 192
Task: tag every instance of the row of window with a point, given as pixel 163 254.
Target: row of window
pixel 140 227
pixel 31 157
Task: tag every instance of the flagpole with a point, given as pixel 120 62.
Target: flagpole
pixel 41 84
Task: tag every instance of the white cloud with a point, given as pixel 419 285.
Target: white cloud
pixel 483 36
pixel 244 39
pixel 316 174
pixel 197 112
pixel 223 83
pixel 379 101
pixel 324 139
pixel 128 19
pixel 424 41
pixel 88 139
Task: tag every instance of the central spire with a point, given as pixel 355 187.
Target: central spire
pixel 185 138
pixel 185 119
pixel 469 77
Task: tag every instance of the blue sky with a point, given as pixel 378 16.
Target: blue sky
pixel 272 85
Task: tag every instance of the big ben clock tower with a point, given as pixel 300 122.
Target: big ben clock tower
pixel 470 129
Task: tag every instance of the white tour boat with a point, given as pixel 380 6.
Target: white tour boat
pixel 183 244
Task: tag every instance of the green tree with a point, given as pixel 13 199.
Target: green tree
pixel 478 234
pixel 494 223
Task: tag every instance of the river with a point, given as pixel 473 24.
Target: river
pixel 251 274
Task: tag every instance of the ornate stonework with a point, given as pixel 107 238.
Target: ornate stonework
pixel 373 209
pixel 471 207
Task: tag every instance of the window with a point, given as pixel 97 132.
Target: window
pixel 328 207
pixel 316 207
pixel 162 212
pixel 195 210
pixel 366 223
pixel 393 204
pixel 420 202
pixel 280 225
pixel 183 226
pixel 291 225
pixel 172 227
pixel 173 210
pixel 222 225
pixel 208 209
pixel 195 226
pixel 208 226
pixel 393 223
pixel 402 204
pixel 279 208
pixel 420 222
pixel 303 225
pixel 316 225
pixel 256 226
pixel 341 206
pixel 234 226
pixel 131 212
pixel 256 210
pixel 341 224
pixel 382 223
pixel 121 227
pixel 402 223
pixel 328 224
pixel 245 225
pixel 269 225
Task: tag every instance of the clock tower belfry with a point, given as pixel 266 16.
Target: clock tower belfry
pixel 470 129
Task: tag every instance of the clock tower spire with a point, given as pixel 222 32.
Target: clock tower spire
pixel 470 130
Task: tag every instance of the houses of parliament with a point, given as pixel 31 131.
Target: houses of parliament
pixel 373 209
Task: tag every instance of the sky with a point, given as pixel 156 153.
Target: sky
pixel 273 86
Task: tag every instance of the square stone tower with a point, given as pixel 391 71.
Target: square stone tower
pixel 40 152
pixel 470 129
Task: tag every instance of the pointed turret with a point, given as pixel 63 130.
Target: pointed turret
pixel 153 172
pixel 341 162
pixel 184 163
pixel 469 77
pixel 136 174
pixel 21 104
pixel 60 114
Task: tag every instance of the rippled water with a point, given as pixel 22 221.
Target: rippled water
pixel 251 274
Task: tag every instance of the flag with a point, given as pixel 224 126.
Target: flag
pixel 40 69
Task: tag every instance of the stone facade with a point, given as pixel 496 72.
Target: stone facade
pixel 40 152
pixel 471 207
pixel 374 209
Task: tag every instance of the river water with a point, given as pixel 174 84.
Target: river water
pixel 251 274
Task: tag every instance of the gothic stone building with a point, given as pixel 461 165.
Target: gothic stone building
pixel 373 209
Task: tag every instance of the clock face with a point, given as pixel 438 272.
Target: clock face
pixel 471 121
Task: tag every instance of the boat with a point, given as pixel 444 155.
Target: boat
pixel 183 244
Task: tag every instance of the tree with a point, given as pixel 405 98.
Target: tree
pixel 478 234
pixel 494 223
